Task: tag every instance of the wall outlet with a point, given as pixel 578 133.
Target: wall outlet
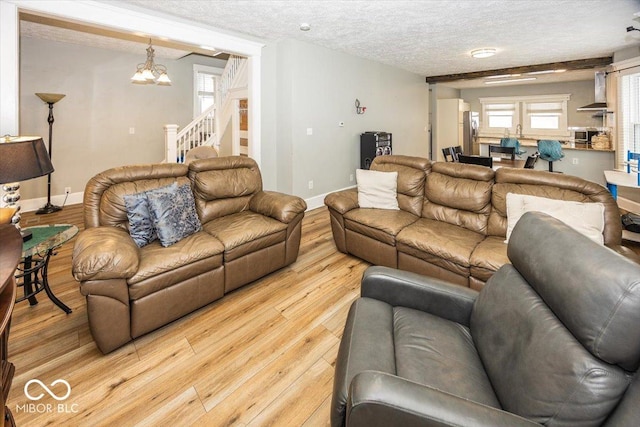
pixel 309 131
pixel 132 131
pixel 67 190
pixel 351 178
pixel 574 160
pixel 310 185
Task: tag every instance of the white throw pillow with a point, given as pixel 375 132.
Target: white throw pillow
pixel 586 218
pixel 377 189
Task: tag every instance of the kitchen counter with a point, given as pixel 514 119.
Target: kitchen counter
pixel 529 142
pixel 580 160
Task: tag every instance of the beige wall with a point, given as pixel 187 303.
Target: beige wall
pixel 307 86
pixel 91 129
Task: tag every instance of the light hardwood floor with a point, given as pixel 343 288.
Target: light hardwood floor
pixel 262 355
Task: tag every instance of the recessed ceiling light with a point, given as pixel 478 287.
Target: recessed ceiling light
pixel 305 27
pixel 495 82
pixel 483 53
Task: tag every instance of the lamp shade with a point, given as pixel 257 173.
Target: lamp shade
pixel 23 158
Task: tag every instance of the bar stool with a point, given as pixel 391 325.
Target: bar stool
pixel 550 150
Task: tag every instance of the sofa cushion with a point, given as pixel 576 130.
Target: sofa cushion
pixel 553 186
pixel 441 240
pixel 488 257
pixel 586 218
pixel 246 232
pixel 156 259
pixel 459 194
pixel 380 224
pixel 412 172
pixel 377 190
pixel 173 213
pixel 224 185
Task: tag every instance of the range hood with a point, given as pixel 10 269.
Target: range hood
pixel 600 94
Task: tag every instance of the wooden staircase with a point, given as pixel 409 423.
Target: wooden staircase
pixel 208 127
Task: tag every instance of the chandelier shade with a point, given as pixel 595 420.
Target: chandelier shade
pixel 151 73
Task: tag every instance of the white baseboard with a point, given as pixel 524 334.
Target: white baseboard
pixel 316 202
pixel 29 205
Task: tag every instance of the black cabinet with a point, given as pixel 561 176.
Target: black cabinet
pixel 372 144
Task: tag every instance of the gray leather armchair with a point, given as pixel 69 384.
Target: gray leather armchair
pixel 552 339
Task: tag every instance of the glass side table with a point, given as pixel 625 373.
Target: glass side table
pixel 32 272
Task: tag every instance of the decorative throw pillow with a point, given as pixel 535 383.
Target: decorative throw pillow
pixel 174 215
pixel 141 226
pixel 377 189
pixel 586 218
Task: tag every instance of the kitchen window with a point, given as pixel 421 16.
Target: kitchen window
pixel 538 116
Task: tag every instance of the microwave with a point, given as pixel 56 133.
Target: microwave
pixel 583 135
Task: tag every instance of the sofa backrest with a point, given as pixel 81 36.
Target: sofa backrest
pixel 224 185
pixel 558 329
pixel 412 172
pixel 103 196
pixel 459 194
pixel 552 186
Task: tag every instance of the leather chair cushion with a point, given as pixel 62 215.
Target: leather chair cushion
pixel 380 224
pixel 432 351
pixel 246 232
pixel 596 302
pixel 537 367
pixel 156 259
pixel 446 241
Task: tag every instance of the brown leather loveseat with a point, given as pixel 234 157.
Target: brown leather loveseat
pixel 452 220
pixel 246 233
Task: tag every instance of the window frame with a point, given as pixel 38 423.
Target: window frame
pixel 204 69
pixel 521 115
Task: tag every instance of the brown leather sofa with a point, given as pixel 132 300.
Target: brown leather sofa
pixel 452 220
pixel 246 234
pixel 552 339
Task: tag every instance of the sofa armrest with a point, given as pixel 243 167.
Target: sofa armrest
pixel 380 399
pixel 626 252
pixel 342 201
pixel 405 289
pixel 280 206
pixel 103 253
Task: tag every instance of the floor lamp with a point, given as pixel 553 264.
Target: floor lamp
pixel 49 98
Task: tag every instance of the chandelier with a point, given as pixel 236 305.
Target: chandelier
pixel 150 72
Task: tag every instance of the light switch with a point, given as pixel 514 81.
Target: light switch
pixel 132 131
pixel 309 131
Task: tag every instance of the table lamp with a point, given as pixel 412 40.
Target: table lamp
pixel 21 158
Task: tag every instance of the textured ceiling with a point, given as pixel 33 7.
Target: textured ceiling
pixel 427 37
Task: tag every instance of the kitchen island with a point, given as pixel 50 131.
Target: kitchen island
pixel 579 159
